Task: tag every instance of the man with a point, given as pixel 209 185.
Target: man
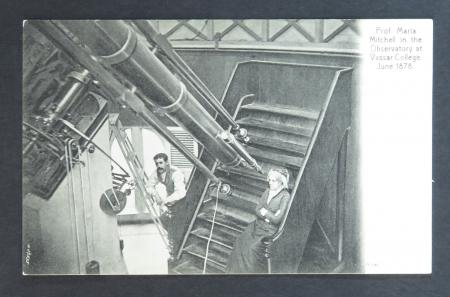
pixel 166 185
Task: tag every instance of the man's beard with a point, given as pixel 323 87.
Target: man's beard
pixel 161 170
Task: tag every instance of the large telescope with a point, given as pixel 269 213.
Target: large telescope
pixel 117 45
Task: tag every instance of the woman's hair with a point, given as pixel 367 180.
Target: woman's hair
pixel 280 174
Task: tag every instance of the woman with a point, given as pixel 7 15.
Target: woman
pixel 248 252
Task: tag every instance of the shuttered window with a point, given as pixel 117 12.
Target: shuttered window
pixel 176 158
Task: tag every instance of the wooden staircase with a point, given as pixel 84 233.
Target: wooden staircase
pixel 280 136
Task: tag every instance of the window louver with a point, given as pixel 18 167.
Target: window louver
pixel 176 158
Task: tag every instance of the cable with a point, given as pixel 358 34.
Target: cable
pixel 212 228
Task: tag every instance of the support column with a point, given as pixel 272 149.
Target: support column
pixel 318 38
pixel 137 142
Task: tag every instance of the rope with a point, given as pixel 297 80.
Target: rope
pixel 212 228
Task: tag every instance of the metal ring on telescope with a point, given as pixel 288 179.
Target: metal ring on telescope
pixel 124 53
pixel 178 103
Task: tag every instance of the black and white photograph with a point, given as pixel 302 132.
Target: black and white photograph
pixel 226 146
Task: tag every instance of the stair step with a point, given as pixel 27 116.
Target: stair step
pixel 216 255
pixel 282 110
pixel 225 239
pixel 233 214
pixel 245 172
pixel 186 267
pixel 229 217
pixel 189 264
pixel 274 126
pixel 221 221
pixel 293 148
pixel 279 136
pixel 261 178
pixel 227 232
pixel 274 158
pixel 237 199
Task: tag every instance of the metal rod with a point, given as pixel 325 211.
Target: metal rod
pixel 70 183
pixel 231 140
pixel 153 36
pixel 44 134
pixel 77 81
pixel 83 209
pixel 89 140
pixel 88 168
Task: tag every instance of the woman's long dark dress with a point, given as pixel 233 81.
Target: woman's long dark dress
pixel 248 251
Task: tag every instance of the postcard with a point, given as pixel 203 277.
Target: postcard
pixel 259 146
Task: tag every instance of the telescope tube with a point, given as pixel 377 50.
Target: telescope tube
pixel 117 45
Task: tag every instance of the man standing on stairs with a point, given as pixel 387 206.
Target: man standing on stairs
pixel 166 185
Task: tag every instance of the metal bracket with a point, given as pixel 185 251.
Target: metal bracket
pixel 89 141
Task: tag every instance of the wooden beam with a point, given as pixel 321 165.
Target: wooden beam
pixel 138 145
pixel 249 31
pixel 336 32
pixel 302 31
pixel 319 31
pixel 195 31
pixel 280 32
pixel 340 195
pixel 175 28
pixel 265 30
